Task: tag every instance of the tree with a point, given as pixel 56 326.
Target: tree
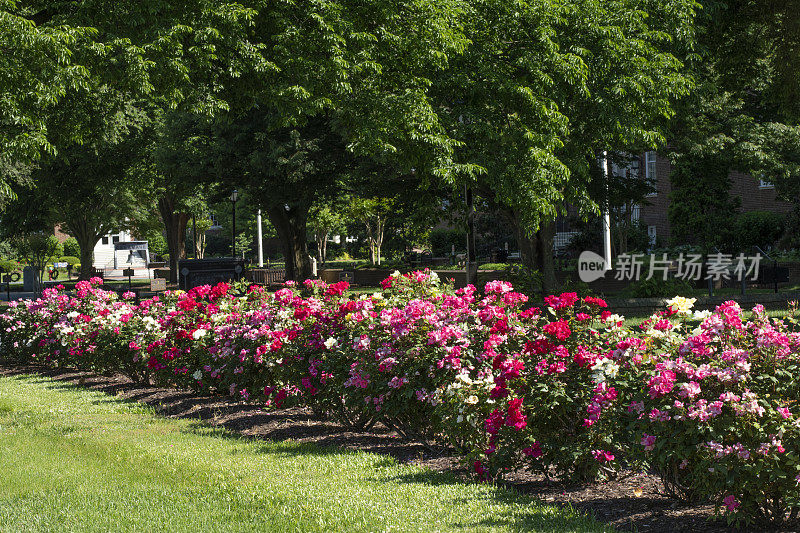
pixel 742 115
pixel 325 220
pixel 544 87
pixel 701 211
pixel 89 189
pixel 373 213
pixel 176 55
pixel 345 81
pixel 179 165
pixel 38 249
pixel 199 228
pixel 38 69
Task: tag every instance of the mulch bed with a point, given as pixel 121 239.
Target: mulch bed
pixel 613 502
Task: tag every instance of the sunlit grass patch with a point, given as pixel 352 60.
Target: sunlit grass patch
pixel 77 460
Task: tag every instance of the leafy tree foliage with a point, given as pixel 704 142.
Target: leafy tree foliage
pixel 37 70
pixel 544 86
pixel 743 114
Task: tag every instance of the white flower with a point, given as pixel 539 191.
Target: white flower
pixel 396 274
pixel 701 315
pixel 459 419
pixel 604 368
pixel 463 377
pixel 331 343
pixel 198 333
pixel 72 314
pixel 472 399
pixel 197 375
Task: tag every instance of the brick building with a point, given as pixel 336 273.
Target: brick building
pixel 755 194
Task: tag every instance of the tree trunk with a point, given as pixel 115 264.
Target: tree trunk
pixel 201 246
pixel 544 256
pixel 291 228
pixel 175 226
pixel 380 226
pixel 87 237
pixel 320 238
pixel 536 250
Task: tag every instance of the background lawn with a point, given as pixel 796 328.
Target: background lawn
pixel 78 460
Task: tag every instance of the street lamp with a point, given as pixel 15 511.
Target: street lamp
pixel 234 197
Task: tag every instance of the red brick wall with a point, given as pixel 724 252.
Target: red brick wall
pixel 754 198
pixel 655 214
pixel 60 235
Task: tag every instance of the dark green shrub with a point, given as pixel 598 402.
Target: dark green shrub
pixel 656 287
pixel 442 241
pixel 494 266
pixel 578 286
pixel 523 279
pixel 758 228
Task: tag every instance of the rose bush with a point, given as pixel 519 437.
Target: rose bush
pixel 708 400
pixel 716 412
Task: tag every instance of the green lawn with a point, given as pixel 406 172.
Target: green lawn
pixel 77 460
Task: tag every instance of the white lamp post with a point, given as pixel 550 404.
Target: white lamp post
pixel 234 198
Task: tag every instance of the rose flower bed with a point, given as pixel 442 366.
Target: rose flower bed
pixel 708 401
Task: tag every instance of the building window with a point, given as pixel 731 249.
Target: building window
pixel 214 221
pixel 115 239
pixel 635 212
pixel 650 171
pixel 104 240
pixel 651 233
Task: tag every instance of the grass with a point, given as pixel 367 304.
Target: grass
pixel 78 460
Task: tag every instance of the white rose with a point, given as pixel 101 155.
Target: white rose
pixel 197 375
pixel 198 333
pixel 701 315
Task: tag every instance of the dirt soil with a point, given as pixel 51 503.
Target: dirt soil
pixel 632 503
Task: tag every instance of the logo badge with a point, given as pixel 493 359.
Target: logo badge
pixel 591 266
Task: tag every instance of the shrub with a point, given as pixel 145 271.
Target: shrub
pixel 525 280
pixel 442 241
pixel 717 411
pixel 758 228
pixel 7 266
pixel 707 400
pixel 71 248
pixel 544 404
pixel 657 287
pixel 70 260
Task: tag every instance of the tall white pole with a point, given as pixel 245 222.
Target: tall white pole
pixel 606 215
pixel 260 241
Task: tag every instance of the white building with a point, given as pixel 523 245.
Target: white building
pixel 104 253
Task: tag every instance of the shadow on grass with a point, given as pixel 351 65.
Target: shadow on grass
pixel 310 435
